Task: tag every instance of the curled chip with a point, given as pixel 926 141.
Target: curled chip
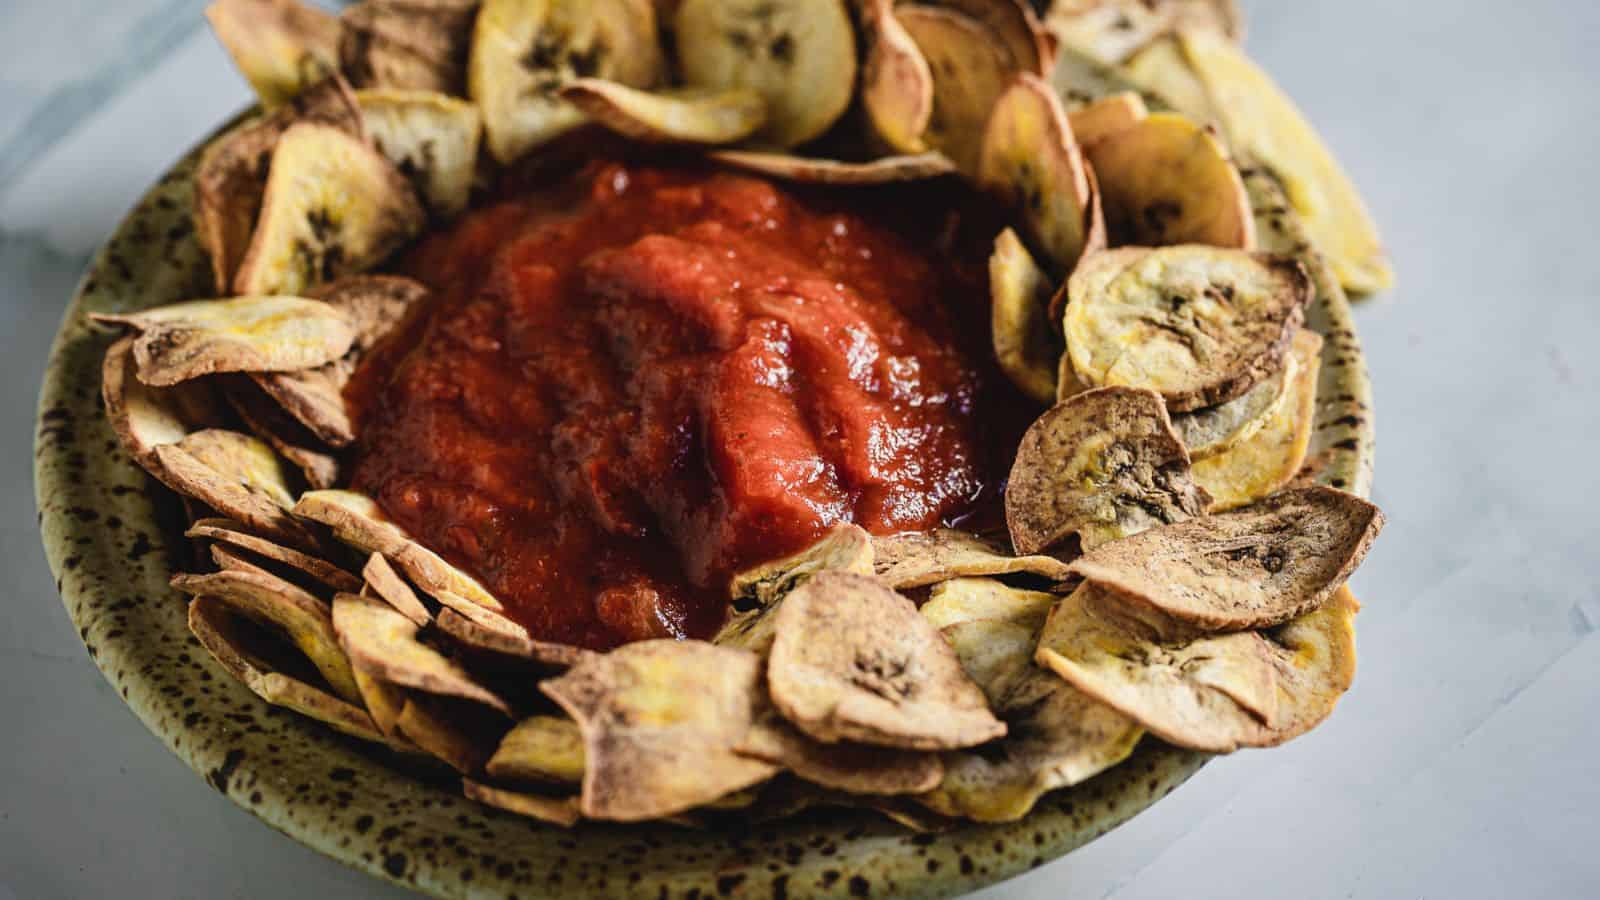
pixel 1169 181
pixel 1102 464
pixel 383 643
pixel 1030 160
pixel 407 44
pixel 1252 568
pixel 522 53
pixel 921 558
pixel 236 475
pixel 1271 457
pixel 884 170
pixel 799 55
pixel 971 69
pixel 896 82
pixel 280 46
pixel 455 732
pixel 541 748
pixel 505 643
pixel 561 811
pixel 848 767
pixel 1016 27
pixel 333 206
pixel 1106 116
pixel 676 116
pixel 273 601
pixel 186 340
pixel 292 440
pixel 969 599
pixel 1025 345
pixel 384 581
pixel 432 138
pixel 756 592
pixel 146 417
pixel 1214 430
pixel 660 720
pixel 852 660
pixel 1111 30
pixel 1199 325
pixel 228 532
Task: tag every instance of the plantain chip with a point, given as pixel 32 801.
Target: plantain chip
pixel 146 417
pixel 235 560
pixel 896 82
pixel 236 475
pixel 384 702
pixel 1107 116
pixel 546 749
pixel 883 170
pixel 843 766
pixel 968 599
pixel 971 69
pixel 266 420
pixel 660 719
pixel 671 116
pixel 1015 25
pixel 383 643
pixel 281 47
pixel 1103 464
pixel 1026 347
pixel 455 732
pixel 799 55
pixel 1273 455
pixel 333 206
pixel 523 51
pixel 920 558
pixel 356 520
pixel 407 44
pixel 1168 181
pixel 561 811
pixel 432 138
pixel 225 636
pixel 1030 161
pixel 504 643
pixel 757 592
pixel 273 601
pixel 229 532
pixel 1109 31
pixel 852 660
pixel 392 589
pixel 1199 325
pixel 186 340
pixel 1214 430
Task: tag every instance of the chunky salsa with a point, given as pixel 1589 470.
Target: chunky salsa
pixel 637 383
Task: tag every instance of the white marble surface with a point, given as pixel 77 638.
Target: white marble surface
pixel 1464 764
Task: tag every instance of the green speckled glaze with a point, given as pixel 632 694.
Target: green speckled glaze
pixel 113 537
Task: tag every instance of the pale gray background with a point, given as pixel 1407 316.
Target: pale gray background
pixel 1466 762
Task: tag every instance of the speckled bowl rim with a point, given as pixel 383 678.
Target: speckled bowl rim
pixel 113 537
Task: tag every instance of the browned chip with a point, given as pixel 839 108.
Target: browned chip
pixel 757 592
pixel 1016 27
pixel 458 733
pixel 670 116
pixel 1214 430
pixel 542 748
pixel 384 702
pixel 231 558
pixel 971 69
pixel 146 417
pixel 387 584
pixel 280 46
pixel 432 138
pixel 1169 181
pixel 408 44
pixel 920 558
pixel 884 170
pixel 230 532
pixel 561 811
pixel 896 82
pixel 1031 162
pixel 504 643
pixel 293 441
pixel 660 720
pixel 238 476
pixel 1252 568
pixel 852 660
pixel 1102 464
pixel 844 766
pixel 383 643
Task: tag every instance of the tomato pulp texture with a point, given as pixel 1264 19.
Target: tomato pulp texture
pixel 638 381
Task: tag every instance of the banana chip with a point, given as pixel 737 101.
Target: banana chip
pixel 1199 325
pixel 921 558
pixel 228 532
pixel 896 82
pixel 970 599
pixel 1103 465
pixel 383 643
pixel 146 417
pixel 799 55
pixel 1015 25
pixel 388 585
pixel 1030 160
pixel 884 170
pixel 971 69
pixel 757 592
pixel 659 720
pixel 455 732
pixel 852 660
pixel 1271 457
pixel 236 475
pixel 523 51
pixel 561 811
pixel 1107 116
pixel 1168 181
pixel 501 642
pixel 385 703
pixel 675 116
pixel 432 138
pixel 1215 430
pixel 545 749
pixel 1111 30
pixel 266 420
pixel 1025 345
pixel 333 206
pixel 843 766
pixel 407 44
pixel 281 47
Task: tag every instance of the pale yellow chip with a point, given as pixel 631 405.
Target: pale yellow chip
pixel 669 116
pixel 970 599
pixel 561 811
pixel 1031 161
pixel 384 702
pixel 542 749
pixel 239 476
pixel 1026 347
pixel 383 643
pixel 1107 116
pixel 919 558
pixel 813 170
pixel 1272 456
pixel 281 47
pixel 146 417
pixel 756 593
pixel 432 138
pixel 896 82
pixel 1166 180
pixel 971 69
pixel 1213 430
pixel 1109 31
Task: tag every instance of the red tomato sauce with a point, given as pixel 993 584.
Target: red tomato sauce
pixel 647 378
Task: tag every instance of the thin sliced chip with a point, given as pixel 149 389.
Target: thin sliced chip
pixel 561 811
pixel 457 733
pixel 384 702
pixel 519 646
pixel 432 138
pixel 884 170
pixel 756 593
pixel 849 767
pixel 233 559
pixel 273 601
pixel 1169 181
pixel 971 69
pixel 1272 457
pixel 407 44
pixel 293 441
pixel 919 558
pixel 281 47
pixel 146 417
pixel 896 82
pixel 799 55
pixel 1030 160
pixel 970 599
pixel 669 116
pixel 218 630
pixel 238 476
pixel 1102 464
pixel 333 206
pixel 1199 325
pixel 1025 345
pixel 1160 70
pixel 1255 567
pixel 541 748
pixel 523 52
pixel 852 660
pixel 383 643
pixel 229 532
pixel 387 584
pixel 1216 429
pixel 356 520
pixel 478 614
pixel 1110 30
pixel 1315 657
pixel 1016 27
pixel 1106 116
pixel 186 340
pixel 660 719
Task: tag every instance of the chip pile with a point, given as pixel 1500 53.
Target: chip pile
pixel 1170 567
